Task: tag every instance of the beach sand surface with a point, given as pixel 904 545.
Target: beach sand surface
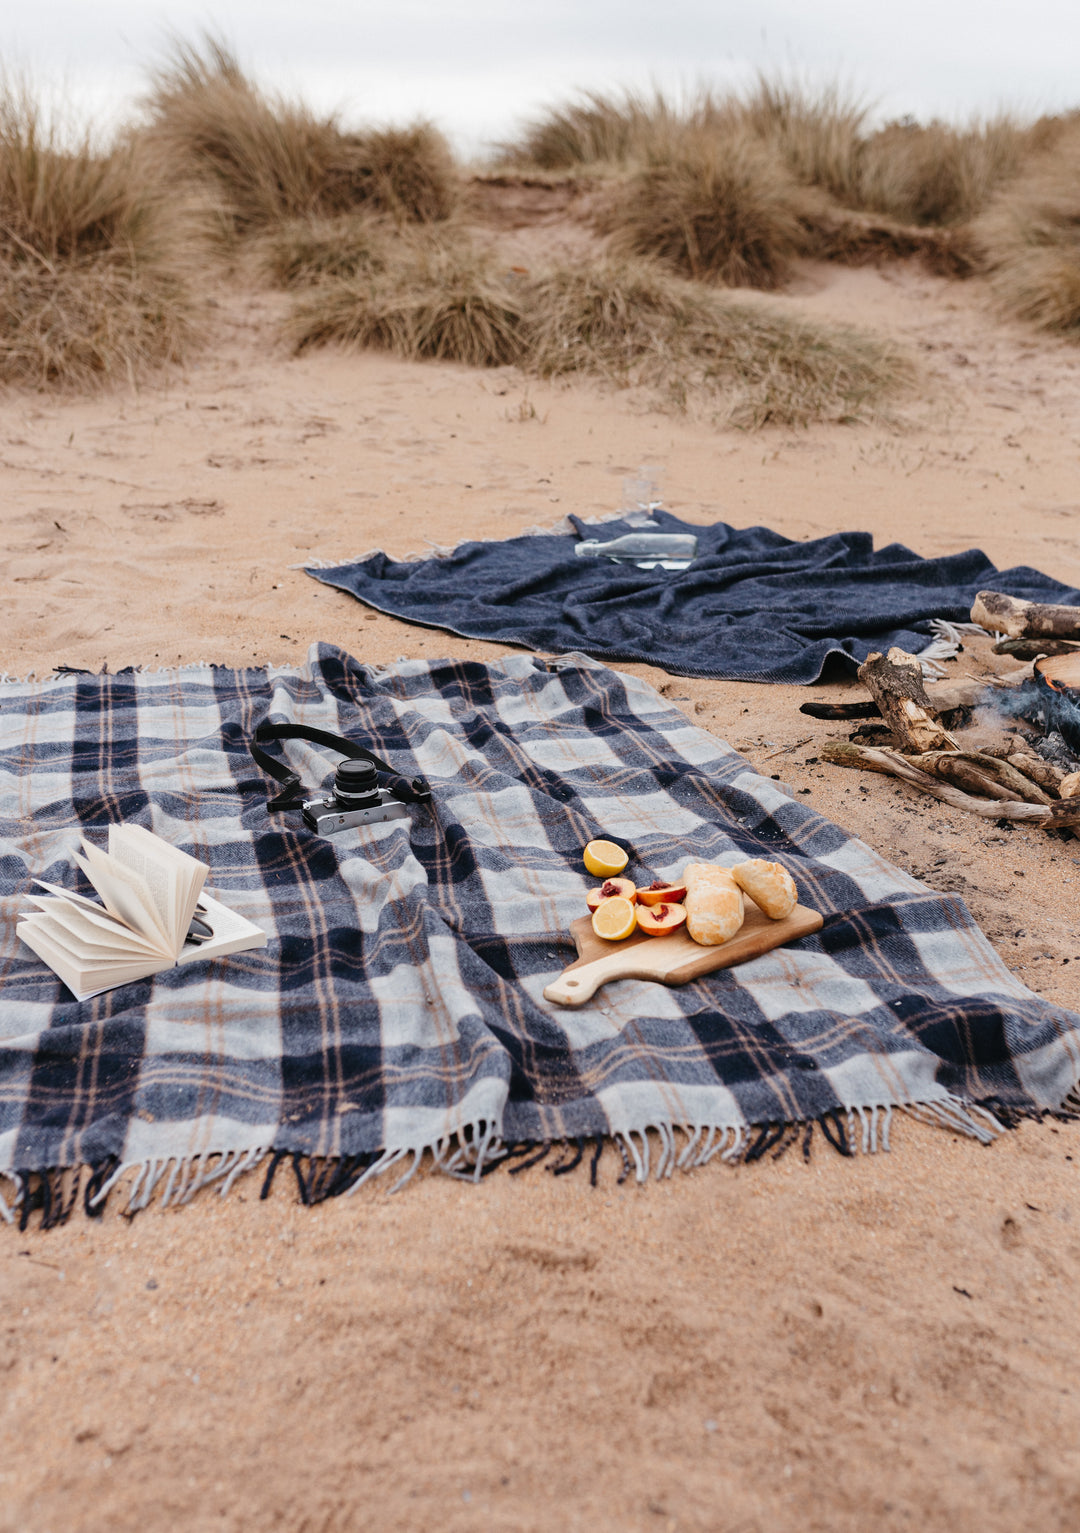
pixel 830 1344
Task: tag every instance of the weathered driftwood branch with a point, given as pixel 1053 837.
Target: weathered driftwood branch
pixel 1031 649
pixel 1018 753
pixel 1061 673
pixel 964 694
pixel 1011 774
pixel 981 774
pixel 896 685
pixel 1045 816
pixel 969 694
pixel 943 699
pixel 1019 619
pixel 867 710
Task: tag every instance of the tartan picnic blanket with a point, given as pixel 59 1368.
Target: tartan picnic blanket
pixel 398 1007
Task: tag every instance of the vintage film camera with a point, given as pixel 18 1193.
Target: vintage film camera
pixel 357 797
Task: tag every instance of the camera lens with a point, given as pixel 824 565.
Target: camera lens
pixel 356 784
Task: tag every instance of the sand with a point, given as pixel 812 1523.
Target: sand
pixel 887 1341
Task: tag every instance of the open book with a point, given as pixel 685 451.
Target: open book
pixel 155 915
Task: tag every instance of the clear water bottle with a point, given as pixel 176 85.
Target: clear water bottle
pixel 669 550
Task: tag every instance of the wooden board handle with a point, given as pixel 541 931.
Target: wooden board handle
pixel 577 986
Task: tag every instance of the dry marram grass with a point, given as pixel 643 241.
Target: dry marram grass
pixel 718 208
pixel 936 174
pixel 1030 239
pixel 92 257
pixel 818 134
pixel 723 190
pixel 267 160
pixel 625 321
pixel 303 251
pixel 593 130
pixel 915 174
pixel 630 322
pixel 437 298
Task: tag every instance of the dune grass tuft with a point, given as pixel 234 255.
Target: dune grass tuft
pixel 934 173
pixel 265 161
pixel 593 130
pixel 91 257
pixel 438 298
pixel 86 324
pixel 930 175
pixel 268 160
pixel 717 208
pixel 406 172
pixel 817 133
pixel 632 323
pixel 1030 240
pixel 628 322
pixel 303 251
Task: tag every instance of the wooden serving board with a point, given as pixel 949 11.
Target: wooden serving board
pixel 674 959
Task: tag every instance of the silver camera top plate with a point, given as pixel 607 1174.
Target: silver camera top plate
pixel 328 818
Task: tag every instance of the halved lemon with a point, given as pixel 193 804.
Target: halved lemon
pixel 614 919
pixel 604 859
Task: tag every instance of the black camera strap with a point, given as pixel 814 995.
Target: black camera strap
pixel 407 790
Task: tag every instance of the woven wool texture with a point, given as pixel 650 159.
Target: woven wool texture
pixel 399 1003
pixel 753 606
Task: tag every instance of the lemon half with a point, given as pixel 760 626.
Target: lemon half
pixel 604 859
pixel 614 919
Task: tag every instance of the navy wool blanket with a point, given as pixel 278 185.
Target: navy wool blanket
pixel 753 606
pixel 399 1006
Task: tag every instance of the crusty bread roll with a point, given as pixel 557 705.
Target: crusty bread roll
pixel 768 885
pixel 714 903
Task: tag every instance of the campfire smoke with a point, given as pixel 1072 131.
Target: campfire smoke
pixel 1051 708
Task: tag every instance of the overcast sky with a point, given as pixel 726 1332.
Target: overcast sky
pixel 477 67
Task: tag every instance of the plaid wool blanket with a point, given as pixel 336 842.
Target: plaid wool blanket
pixel 398 1007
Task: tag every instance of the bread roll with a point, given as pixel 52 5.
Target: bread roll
pixel 714 903
pixel 768 885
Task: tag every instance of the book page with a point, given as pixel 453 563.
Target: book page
pixel 232 933
pixel 82 981
pixel 153 872
pixel 79 900
pixel 174 878
pixel 93 926
pixel 125 894
pixel 88 954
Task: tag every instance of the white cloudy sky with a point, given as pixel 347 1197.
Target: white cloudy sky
pixel 478 66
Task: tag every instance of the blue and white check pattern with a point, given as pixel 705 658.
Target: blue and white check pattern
pixel 398 1005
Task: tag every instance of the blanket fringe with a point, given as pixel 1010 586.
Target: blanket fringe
pixel 658 1148
pixel 72 673
pixel 945 645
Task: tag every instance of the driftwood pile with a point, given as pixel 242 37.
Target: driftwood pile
pixel 1009 780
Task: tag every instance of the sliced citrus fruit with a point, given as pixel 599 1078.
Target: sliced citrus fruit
pixel 614 919
pixel 604 859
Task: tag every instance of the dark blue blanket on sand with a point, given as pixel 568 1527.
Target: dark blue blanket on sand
pixel 753 606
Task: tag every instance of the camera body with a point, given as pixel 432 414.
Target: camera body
pixel 357 799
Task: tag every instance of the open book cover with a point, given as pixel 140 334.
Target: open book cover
pixel 155 914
